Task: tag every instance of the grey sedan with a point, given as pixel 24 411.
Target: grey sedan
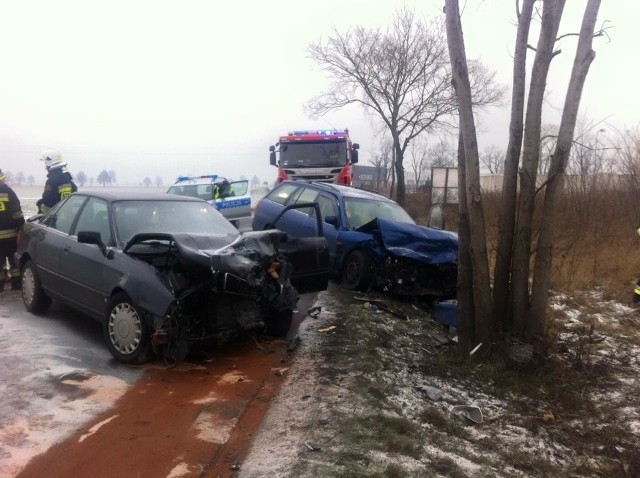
pixel 164 272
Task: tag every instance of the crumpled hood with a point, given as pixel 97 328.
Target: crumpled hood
pixel 228 253
pixel 424 244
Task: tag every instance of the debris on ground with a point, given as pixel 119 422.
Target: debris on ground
pixel 331 328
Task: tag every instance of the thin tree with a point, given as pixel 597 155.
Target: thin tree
pixel 542 269
pixel 401 75
pixel 477 313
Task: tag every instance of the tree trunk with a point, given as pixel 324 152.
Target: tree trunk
pixel 542 272
pixel 466 330
pixel 551 14
pixel 502 271
pixel 400 189
pixel 483 316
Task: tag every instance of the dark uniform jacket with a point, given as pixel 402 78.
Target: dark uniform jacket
pixel 59 185
pixel 11 217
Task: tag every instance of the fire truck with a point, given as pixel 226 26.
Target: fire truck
pixel 319 155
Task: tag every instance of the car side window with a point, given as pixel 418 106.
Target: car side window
pixel 307 195
pixel 281 194
pixel 62 219
pixel 328 206
pixel 95 217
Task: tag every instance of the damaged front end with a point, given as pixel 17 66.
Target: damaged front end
pixel 414 260
pixel 216 291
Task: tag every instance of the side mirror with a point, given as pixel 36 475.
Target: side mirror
pixel 92 237
pixel 272 155
pixel 332 220
pixel 354 153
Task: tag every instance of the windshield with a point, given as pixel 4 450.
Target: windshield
pixel 135 217
pixel 313 155
pixel 362 211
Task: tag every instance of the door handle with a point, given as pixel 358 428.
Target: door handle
pixel 66 248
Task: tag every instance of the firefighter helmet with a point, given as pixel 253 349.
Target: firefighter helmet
pixel 52 159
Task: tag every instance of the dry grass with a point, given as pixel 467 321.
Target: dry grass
pixel 595 243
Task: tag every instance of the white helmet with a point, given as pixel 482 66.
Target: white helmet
pixel 52 159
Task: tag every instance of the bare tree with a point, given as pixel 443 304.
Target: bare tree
pixel 419 161
pixel 81 177
pixel 401 75
pixel 493 159
pixel 515 310
pixel 476 282
pixel 542 269
pixel 442 155
pixel 382 161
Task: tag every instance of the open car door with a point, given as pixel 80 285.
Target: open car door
pixel 309 256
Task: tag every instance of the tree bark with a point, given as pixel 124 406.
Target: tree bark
pixel 506 224
pixel 551 15
pixel 542 270
pixel 466 329
pixel 483 314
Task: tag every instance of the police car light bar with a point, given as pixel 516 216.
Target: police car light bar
pixel 208 176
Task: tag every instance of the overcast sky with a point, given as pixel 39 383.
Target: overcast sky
pixel 164 88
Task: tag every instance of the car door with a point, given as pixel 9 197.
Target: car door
pixel 82 265
pixel 329 208
pixel 235 201
pixel 50 240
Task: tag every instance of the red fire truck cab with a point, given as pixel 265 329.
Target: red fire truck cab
pixel 319 155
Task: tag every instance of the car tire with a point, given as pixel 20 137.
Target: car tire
pixel 125 330
pixel 34 297
pixel 356 271
pixel 278 323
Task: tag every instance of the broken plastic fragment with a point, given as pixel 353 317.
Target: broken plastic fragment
pixel 327 329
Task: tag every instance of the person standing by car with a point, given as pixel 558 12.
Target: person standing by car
pixel 11 221
pixel 59 183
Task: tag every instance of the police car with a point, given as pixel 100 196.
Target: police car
pixel 231 198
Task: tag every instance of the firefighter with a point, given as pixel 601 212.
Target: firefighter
pixel 59 183
pixel 11 221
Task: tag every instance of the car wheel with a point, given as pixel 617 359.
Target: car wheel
pixel 278 323
pixel 356 271
pixel 125 330
pixel 34 297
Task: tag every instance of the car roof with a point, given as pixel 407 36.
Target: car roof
pixel 116 195
pixel 341 189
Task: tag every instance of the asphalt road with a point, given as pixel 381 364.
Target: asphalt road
pixel 57 377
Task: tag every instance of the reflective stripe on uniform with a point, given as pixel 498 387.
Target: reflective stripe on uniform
pixel 636 291
pixel 8 233
pixel 65 190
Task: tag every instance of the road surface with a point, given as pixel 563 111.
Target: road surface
pixel 69 409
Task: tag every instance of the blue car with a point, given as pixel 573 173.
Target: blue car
pixel 372 240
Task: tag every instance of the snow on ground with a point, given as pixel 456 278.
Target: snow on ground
pixel 519 435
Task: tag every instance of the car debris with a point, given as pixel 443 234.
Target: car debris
pixel 324 330
pixel 433 393
pixel 468 413
pixel 313 446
